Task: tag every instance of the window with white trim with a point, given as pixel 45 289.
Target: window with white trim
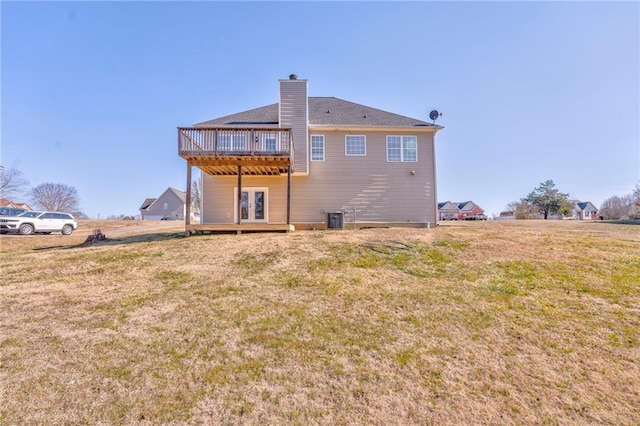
pixel 317 147
pixel 231 142
pixel 355 145
pixel 224 142
pixel 402 148
pixel 238 143
pixel 270 143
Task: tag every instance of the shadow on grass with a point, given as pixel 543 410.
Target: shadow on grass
pixel 133 239
pixel 621 221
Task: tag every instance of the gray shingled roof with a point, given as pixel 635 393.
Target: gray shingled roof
pixel 322 112
pixel 147 202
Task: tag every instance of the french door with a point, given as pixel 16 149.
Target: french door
pixel 254 205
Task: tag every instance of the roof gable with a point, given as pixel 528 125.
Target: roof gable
pixel 146 203
pixel 447 205
pixel 466 205
pixel 182 196
pixel 5 203
pixel 587 205
pixel 25 206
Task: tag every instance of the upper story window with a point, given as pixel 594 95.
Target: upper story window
pixel 317 147
pixel 402 148
pixel 231 142
pixel 270 143
pixel 355 145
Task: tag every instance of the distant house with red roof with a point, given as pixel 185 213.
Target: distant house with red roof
pixel 451 210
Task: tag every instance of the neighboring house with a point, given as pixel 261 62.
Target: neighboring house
pixel 23 206
pixel 584 211
pixel 170 204
pixel 448 211
pixel 10 204
pixel 469 209
pixel 312 163
pixel 459 210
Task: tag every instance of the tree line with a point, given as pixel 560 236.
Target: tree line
pixel 624 207
pixel 546 201
pixel 55 197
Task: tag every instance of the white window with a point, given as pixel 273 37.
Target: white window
pixel 355 145
pixel 230 142
pixel 394 148
pixel 224 142
pixel 270 143
pixel 317 147
pixel 402 148
pixel 238 143
pixel 165 206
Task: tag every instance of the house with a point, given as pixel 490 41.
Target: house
pixel 171 204
pixel 584 211
pixel 469 209
pixel 13 205
pixel 448 211
pixel 311 163
pixel 459 210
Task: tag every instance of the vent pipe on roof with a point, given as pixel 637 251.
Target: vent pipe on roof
pixel 293 77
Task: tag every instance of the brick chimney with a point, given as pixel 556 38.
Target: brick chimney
pixel 293 112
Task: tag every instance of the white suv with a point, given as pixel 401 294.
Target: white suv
pixel 39 222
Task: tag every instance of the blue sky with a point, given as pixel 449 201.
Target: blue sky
pixel 92 92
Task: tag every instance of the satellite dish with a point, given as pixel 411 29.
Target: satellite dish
pixel 433 115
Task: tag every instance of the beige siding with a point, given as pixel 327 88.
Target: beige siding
pixel 294 113
pixel 219 198
pixel 379 191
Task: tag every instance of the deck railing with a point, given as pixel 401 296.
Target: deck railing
pixel 209 141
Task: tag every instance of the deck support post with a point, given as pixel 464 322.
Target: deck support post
pixel 187 218
pixel 239 198
pixel 289 195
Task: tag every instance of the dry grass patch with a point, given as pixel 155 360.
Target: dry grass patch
pixel 524 322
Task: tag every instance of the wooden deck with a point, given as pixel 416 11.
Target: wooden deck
pixel 234 227
pixel 220 151
pixel 227 151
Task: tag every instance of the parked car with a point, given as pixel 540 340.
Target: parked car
pixel 39 222
pixel 168 218
pixel 480 216
pixel 11 211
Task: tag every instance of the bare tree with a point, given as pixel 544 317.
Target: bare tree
pixel 55 197
pixel 196 192
pixel 523 209
pixel 634 209
pixel 12 182
pixel 624 207
pixel 615 207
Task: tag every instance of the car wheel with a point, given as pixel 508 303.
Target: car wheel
pixel 26 229
pixel 67 230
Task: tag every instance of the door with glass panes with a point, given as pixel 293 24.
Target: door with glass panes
pixel 253 204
